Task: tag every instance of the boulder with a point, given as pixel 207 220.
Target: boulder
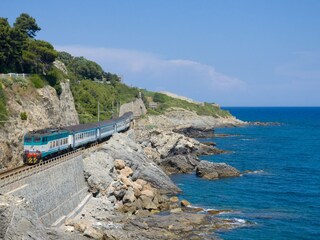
pixel 129 196
pixel 184 203
pixel 210 170
pixel 19 221
pixel 126 171
pixel 119 164
pixel 196 132
pixel 179 164
pixel 147 203
pixel 135 158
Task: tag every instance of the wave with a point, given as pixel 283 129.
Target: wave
pixel 254 172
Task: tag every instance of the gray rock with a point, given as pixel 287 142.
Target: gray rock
pixel 136 159
pixel 179 164
pixel 137 107
pixel 129 196
pixel 97 168
pixel 210 170
pixel 147 203
pixel 19 221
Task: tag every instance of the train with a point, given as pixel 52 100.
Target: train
pixel 41 145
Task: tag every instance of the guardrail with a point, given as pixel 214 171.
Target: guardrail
pixel 14 75
pixel 15 176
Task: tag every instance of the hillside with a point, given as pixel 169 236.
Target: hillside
pixel 58 89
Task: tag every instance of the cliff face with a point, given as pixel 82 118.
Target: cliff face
pixel 137 107
pixel 43 108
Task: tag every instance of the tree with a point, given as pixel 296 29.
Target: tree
pixel 86 68
pixel 27 25
pixel 39 56
pixel 4 43
pixel 65 57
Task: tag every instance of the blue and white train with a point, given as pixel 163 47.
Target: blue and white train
pixel 44 144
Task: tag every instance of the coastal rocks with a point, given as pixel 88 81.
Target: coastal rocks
pixel 194 132
pixel 179 164
pixel 133 195
pixel 18 220
pixel 168 143
pixel 135 158
pixel 97 171
pixel 209 170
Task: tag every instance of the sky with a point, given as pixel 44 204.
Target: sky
pixel 231 52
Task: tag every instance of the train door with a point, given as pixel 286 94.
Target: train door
pixel 71 141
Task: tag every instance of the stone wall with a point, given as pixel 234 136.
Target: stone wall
pixel 55 192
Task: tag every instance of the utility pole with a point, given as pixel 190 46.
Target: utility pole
pixel 98 111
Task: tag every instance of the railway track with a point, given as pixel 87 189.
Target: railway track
pixel 16 174
pixel 10 172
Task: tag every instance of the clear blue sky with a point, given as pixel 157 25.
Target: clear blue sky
pixel 233 52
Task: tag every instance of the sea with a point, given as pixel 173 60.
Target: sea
pixel 278 195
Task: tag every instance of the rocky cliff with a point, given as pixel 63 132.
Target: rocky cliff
pixel 43 108
pixel 137 107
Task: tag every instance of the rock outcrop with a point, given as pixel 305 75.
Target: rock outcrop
pixel 135 159
pixel 182 118
pixel 194 132
pixel 18 220
pixel 173 152
pixel 210 170
pixel 137 107
pixel 43 107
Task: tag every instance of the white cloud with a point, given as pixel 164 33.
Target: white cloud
pixel 184 77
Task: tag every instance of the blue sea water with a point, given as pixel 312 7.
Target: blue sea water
pixel 282 197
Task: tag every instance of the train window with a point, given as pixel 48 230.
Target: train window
pixel 37 139
pixel 28 139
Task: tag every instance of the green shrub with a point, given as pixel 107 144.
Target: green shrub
pixel 37 81
pixel 159 97
pixel 167 102
pixel 23 116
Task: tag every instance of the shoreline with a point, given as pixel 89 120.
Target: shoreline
pixel 131 189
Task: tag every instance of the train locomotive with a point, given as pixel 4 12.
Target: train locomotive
pixel 41 145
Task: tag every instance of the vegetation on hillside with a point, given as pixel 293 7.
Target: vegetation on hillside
pixel 91 86
pixel 165 102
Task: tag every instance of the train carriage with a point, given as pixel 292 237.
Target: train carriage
pixel 46 143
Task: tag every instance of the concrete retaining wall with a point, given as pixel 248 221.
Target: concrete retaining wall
pixel 54 192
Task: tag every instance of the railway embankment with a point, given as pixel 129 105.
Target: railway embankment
pixel 53 192
pixel 128 179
